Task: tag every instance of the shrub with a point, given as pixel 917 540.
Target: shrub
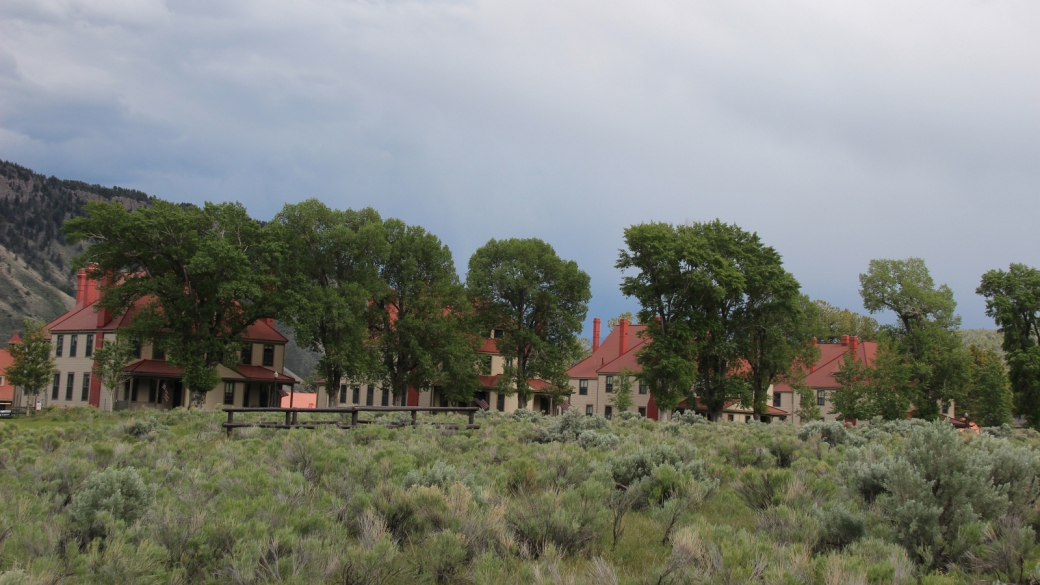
pixel 440 474
pixel 631 468
pixel 866 471
pixel 592 439
pixel 1004 431
pixel 833 433
pixel 119 494
pixel 627 415
pixel 570 521
pixel 569 426
pixel 522 414
pixel 936 486
pixel 839 527
pixel 141 428
pixel 761 489
pixel 689 417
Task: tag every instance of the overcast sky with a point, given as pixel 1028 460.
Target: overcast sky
pixel 839 131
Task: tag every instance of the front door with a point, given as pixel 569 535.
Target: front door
pixel 176 394
pixel 543 404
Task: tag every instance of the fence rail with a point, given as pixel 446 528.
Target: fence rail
pixel 292 422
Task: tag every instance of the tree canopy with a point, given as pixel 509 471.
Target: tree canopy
pixel 1013 301
pixel 328 273
pixel 832 323
pixel 724 317
pixel 538 301
pixel 934 368
pixel 198 277
pixel 33 365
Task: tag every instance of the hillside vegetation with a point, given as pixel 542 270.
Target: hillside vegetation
pixel 166 498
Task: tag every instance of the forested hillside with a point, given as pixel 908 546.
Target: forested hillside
pixel 36 277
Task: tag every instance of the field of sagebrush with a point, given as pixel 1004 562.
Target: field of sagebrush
pixel 87 497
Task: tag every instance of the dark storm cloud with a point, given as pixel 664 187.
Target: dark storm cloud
pixel 840 132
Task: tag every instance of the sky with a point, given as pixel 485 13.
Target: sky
pixel 838 131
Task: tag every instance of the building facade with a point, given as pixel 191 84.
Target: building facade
pixel 154 383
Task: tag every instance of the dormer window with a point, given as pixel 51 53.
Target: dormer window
pixel 498 334
pixel 268 355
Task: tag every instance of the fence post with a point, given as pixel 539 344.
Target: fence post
pixel 230 419
pixel 471 413
pixel 353 418
pixel 288 417
pixel 415 417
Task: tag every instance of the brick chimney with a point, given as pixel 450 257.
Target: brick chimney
pixel 844 339
pixel 81 289
pixel 623 341
pixel 595 334
pixel 269 321
pixel 853 342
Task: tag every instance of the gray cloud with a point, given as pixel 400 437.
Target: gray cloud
pixel 840 132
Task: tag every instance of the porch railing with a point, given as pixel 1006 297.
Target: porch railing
pixel 292 422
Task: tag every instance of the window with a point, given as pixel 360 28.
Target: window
pixel 821 397
pixel 501 402
pixel 126 390
pixel 498 333
pixel 583 387
pixel 642 387
pixel 268 355
pixel 57 384
pixel 229 393
pixel 137 349
pixel 588 410
pixel 371 395
pixel 608 412
pixel 945 406
pixel 357 395
pixel 610 384
pixel 158 353
pixel 731 417
pixel 85 391
pixel 776 399
pixel 88 351
pixel 485 364
pixel 747 418
pixel 69 384
pixel 58 346
pixel 342 393
pixel 642 411
pixel 439 392
pixel 72 345
pixel 247 355
pixel 153 390
pixel 386 396
pixel 509 362
pixel 133 389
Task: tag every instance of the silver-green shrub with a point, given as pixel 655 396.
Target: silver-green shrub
pixel 119 494
pixel 594 440
pixel 689 417
pixel 440 474
pixel 831 432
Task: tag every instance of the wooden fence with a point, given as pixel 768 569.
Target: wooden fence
pixel 291 421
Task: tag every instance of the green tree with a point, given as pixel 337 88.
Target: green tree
pixel 110 363
pixel 989 400
pixel 328 272
pixel 714 299
pixel 885 388
pixel 627 315
pixel 538 300
pixel 925 335
pixel 196 277
pixel 420 319
pixel 833 323
pixel 622 396
pixel 32 367
pixel 1013 301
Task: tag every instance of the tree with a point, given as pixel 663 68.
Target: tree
pixel 833 323
pixel 627 315
pixel 925 335
pixel 885 388
pixel 715 300
pixel 989 400
pixel 328 272
pixel 32 365
pixel 622 397
pixel 110 363
pixel 195 277
pixel 419 317
pixel 538 301
pixel 1013 301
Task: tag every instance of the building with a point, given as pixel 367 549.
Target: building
pixel 491 368
pixel 594 379
pixel 820 377
pixel 8 398
pixel 259 380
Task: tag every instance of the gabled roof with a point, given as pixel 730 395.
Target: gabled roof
pixel 262 374
pixel 261 330
pixel 15 340
pixel 488 345
pixel 606 358
pixel 832 356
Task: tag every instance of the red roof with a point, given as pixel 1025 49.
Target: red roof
pixel 262 374
pixel 733 406
pixel 606 358
pixel 535 384
pixel 15 340
pixel 832 356
pixel 488 346
pixel 158 368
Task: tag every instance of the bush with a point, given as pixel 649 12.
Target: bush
pixel 689 417
pixel 119 494
pixel 141 428
pixel 839 527
pixel 594 440
pixel 1004 431
pixel 631 468
pixel 866 471
pixel 833 433
pixel 440 474
pixel 522 414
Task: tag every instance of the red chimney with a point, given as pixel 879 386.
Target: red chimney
pixel 853 342
pixel 269 321
pixel 81 288
pixel 844 339
pixel 623 342
pixel 595 334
